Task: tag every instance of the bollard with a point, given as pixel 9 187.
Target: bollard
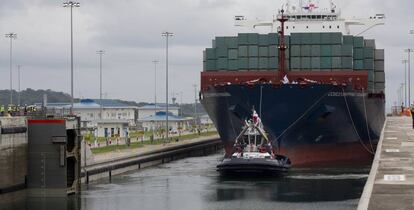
pixel 110 175
pixel 87 177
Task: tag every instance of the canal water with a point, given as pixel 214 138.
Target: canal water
pixel 193 183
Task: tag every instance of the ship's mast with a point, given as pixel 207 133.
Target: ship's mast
pixel 282 47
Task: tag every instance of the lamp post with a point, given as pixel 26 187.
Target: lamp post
pixel 18 85
pixel 11 36
pixel 155 62
pixel 100 53
pixel 167 35
pixel 195 105
pixel 405 61
pixel 409 51
pixel 71 5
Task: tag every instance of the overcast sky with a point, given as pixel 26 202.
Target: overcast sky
pixel 130 33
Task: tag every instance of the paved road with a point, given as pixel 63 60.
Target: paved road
pixel 391 181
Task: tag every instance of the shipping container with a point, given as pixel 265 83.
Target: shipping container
pixel 326 63
pixel 295 38
pixel 315 63
pixel 233 54
pixel 369 64
pixel 347 50
pixel 222 64
pixel 358 53
pixel 305 50
pixel 295 62
pixel 305 62
pixel 326 38
pixel 243 63
pixel 263 40
pixel 336 63
pixel 358 64
pixel 253 51
pixel 263 63
pixel 273 63
pixel 326 50
pixel 253 63
pixel 210 65
pixel 348 40
pixel 379 54
pixel 316 38
pixel 371 76
pixel 347 62
pixel 379 76
pixel 233 64
pixel 273 51
pixel 263 51
pixel 379 65
pixel 232 42
pixel 379 86
pixel 221 52
pixel 336 38
pixel 243 51
pixel 243 39
pixel 315 50
pixel 295 50
pixel 273 38
pixel 253 39
pixel 221 41
pixel 369 43
pixel 336 50
pixel 358 41
pixel 210 53
pixel 368 52
pixel 306 39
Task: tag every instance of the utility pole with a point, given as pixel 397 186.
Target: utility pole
pixel 409 51
pixel 71 5
pixel 405 61
pixel 195 104
pixel 18 80
pixel 167 35
pixel 155 62
pixel 11 36
pixel 100 53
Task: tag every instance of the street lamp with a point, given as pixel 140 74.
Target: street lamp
pixel 195 105
pixel 100 53
pixel 18 76
pixel 11 36
pixel 405 61
pixel 166 35
pixel 155 62
pixel 409 51
pixel 71 5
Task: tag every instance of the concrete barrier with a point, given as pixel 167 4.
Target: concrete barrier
pixel 13 153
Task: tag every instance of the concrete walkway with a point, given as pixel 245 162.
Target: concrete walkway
pixel 390 184
pixel 108 156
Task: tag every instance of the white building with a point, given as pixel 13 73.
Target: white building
pixel 89 111
pixel 159 121
pixel 112 128
pixel 150 110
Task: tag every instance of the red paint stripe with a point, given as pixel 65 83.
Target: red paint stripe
pixel 51 121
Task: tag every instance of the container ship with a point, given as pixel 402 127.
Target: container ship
pixel 318 89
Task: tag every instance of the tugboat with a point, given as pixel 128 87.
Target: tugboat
pixel 253 152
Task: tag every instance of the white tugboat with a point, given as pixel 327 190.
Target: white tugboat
pixel 253 152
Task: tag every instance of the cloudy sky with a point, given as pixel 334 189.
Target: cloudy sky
pixel 130 33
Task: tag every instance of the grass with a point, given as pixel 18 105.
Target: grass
pixel 134 145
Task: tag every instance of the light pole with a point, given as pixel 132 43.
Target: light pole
pixel 100 53
pixel 155 62
pixel 71 5
pixel 166 35
pixel 18 76
pixel 11 36
pixel 195 105
pixel 409 51
pixel 405 61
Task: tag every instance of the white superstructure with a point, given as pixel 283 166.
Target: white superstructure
pixel 310 18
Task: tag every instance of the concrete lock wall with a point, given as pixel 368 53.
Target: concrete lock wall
pixel 13 153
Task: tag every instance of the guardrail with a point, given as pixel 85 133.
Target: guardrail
pixel 162 155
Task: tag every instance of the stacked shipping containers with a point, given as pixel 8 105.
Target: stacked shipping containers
pixel 305 52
